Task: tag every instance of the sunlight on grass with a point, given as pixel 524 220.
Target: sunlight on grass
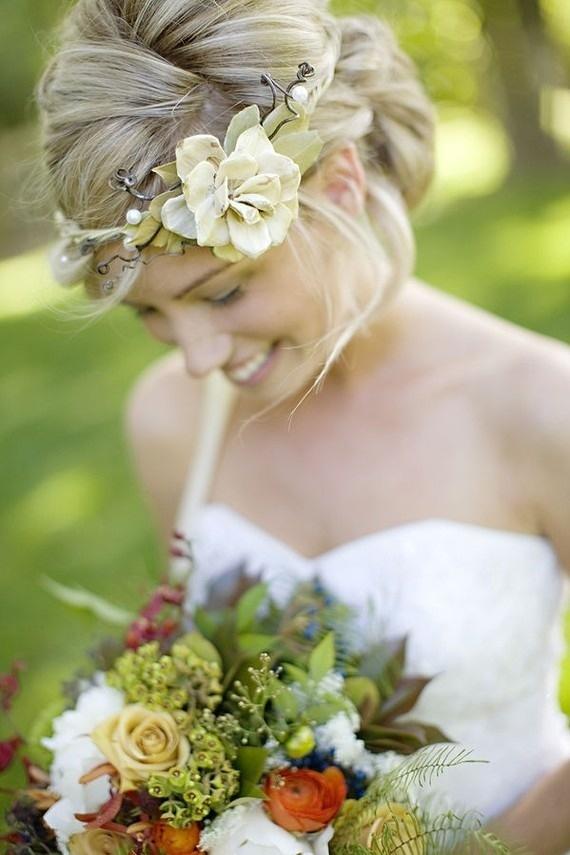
pixel 59 502
pixel 526 247
pixel 472 156
pixel 555 114
pixel 26 286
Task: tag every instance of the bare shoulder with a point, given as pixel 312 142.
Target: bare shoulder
pixel 522 381
pixel 541 415
pixel 160 423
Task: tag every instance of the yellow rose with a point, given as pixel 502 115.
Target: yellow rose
pixel 139 743
pixel 96 841
pixel 404 829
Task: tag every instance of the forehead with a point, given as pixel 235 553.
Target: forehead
pixel 157 273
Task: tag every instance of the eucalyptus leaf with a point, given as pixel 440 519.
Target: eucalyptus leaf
pixel 242 121
pixel 304 148
pixel 322 659
pixel 249 605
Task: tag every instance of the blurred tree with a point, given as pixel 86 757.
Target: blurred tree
pixel 526 61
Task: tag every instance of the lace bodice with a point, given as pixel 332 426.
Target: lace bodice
pixel 482 611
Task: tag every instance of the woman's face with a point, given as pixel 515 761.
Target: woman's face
pixel 255 320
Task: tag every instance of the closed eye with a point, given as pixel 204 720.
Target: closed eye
pixel 227 298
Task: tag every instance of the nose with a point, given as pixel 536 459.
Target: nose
pixel 205 351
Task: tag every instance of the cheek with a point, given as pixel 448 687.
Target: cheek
pixel 158 327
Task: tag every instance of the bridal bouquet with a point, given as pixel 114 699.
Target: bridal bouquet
pixel 245 728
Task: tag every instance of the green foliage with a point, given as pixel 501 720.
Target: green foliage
pixel 249 605
pixel 207 783
pixel 398 825
pixel 322 658
pixel 180 681
pixel 251 762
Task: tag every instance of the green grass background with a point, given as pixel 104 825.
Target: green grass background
pixel 69 505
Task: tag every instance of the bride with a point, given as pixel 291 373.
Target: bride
pixel 336 414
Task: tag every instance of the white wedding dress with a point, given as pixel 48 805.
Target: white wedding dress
pixel 481 608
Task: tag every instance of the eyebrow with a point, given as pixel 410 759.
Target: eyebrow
pixel 211 274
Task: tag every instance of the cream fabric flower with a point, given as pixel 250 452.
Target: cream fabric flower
pixel 141 742
pixel 240 202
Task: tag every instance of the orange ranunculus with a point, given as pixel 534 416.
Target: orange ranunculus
pixel 303 800
pixel 176 841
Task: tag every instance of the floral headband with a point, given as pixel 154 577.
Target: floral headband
pixel 239 199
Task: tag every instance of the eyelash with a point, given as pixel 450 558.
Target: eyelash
pixel 221 301
pixel 228 298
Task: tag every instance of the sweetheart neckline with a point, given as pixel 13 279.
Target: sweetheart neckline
pixel 384 532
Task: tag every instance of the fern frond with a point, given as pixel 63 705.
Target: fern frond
pixel 422 768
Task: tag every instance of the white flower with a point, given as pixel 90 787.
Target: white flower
pixel 61 819
pixel 248 830
pixel 338 736
pixel 240 201
pixel 74 754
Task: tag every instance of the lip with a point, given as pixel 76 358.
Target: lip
pixel 261 372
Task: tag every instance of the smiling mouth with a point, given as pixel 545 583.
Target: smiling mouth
pixel 253 369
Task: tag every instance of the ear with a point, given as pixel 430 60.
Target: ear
pixel 343 179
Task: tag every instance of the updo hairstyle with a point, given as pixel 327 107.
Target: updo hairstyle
pixel 133 77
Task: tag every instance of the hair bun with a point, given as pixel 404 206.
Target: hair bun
pixel 401 131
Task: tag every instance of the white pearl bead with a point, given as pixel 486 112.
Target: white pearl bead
pixel 134 217
pixel 300 94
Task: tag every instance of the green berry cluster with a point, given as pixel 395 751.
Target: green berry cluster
pixel 175 682
pixel 207 783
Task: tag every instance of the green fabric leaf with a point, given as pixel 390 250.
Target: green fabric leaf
pixel 250 762
pixel 248 606
pixel 322 659
pixel 168 173
pixel 80 598
pixel 280 114
pixel 304 148
pixel 242 121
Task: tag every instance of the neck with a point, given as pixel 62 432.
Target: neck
pixel 383 345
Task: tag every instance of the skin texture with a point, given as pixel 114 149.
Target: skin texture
pixel 442 411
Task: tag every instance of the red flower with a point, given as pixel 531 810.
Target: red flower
pixel 10 686
pixel 153 624
pixel 304 800
pixel 176 841
pixel 8 750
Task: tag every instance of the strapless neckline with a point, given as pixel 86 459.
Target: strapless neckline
pixel 440 523
pixel 481 609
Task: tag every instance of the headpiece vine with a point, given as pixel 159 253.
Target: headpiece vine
pixel 239 198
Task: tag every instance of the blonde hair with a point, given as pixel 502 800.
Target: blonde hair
pixel 132 77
